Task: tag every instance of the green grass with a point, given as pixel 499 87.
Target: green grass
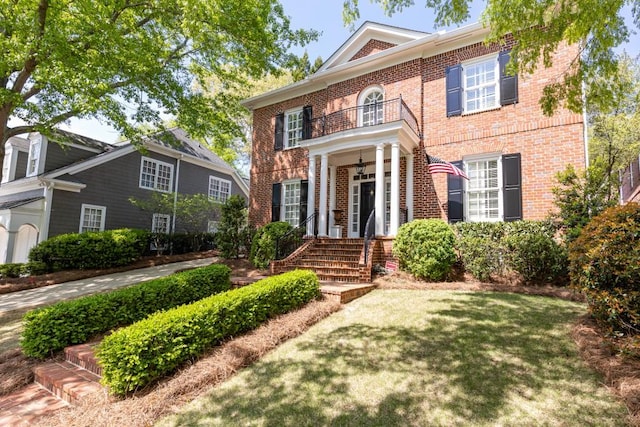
pixel 398 358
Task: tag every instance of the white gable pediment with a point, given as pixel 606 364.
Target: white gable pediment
pixel 387 35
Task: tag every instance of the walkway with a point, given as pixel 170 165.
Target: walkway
pixel 45 295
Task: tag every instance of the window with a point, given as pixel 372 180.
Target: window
pixel 293 128
pixel 372 111
pixel 483 195
pixel 219 189
pixel 291 202
pixel 156 175
pixel 480 85
pixel 92 218
pixel 34 157
pixel 160 223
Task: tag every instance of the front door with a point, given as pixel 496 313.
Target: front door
pixel 367 203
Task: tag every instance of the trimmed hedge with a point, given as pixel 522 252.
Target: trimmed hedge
pixel 49 329
pixel 488 249
pixel 135 356
pixel 104 249
pixel 425 248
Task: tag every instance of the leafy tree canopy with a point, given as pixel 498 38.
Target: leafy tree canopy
pixel 127 62
pixel 540 27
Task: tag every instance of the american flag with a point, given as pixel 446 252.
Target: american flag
pixel 437 165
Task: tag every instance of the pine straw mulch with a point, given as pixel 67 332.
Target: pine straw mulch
pixel 170 395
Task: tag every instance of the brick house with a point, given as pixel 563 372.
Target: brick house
pixel 353 138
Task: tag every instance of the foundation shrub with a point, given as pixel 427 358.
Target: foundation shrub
pixel 479 245
pixel 140 354
pixel 11 270
pixel 425 248
pixel 532 251
pixel 263 246
pixel 604 263
pixel 529 248
pixel 50 329
pixel 102 249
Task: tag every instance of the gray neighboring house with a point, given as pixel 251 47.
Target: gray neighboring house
pixel 81 184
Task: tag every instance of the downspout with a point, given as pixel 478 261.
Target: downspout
pixel 48 198
pixel 175 196
pixel 585 126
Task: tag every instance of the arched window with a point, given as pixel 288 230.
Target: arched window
pixel 372 107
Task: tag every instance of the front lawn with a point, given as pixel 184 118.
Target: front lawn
pixel 401 357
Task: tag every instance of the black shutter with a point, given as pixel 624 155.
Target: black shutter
pixel 454 90
pixel 508 83
pixel 511 179
pixel 455 199
pixel 304 190
pixel 307 113
pixel 279 134
pixel 275 201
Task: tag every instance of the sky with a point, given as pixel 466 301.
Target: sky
pixel 326 17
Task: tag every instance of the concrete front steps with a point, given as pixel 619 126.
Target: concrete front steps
pixel 333 260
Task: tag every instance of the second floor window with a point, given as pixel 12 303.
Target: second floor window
pixel 219 189
pixel 156 175
pixel 480 85
pixel 34 158
pixel 293 131
pixel 372 109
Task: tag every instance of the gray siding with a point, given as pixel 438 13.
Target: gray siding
pixel 63 155
pixel 113 183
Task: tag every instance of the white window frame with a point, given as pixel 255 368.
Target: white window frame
pixel 293 136
pixel 154 223
pixel 492 61
pixel 154 185
pixel 216 189
pixel 285 204
pixel 35 154
pixel 473 177
pixel 103 217
pixel 378 114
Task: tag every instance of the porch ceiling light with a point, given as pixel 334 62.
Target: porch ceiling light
pixel 360 166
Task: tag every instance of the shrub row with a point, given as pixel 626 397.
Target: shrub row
pixel 182 243
pixel 488 249
pixel 103 249
pixel 605 266
pixel 49 329
pixel 135 356
pixel 19 269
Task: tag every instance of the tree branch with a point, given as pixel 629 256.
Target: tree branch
pixel 19 130
pixel 31 63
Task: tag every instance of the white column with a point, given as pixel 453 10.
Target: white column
pixel 395 189
pixel 311 193
pixel 379 190
pixel 409 180
pixel 322 210
pixel 332 194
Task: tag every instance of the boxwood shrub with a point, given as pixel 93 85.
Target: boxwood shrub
pixel 50 329
pixel 102 249
pixel 425 248
pixel 137 355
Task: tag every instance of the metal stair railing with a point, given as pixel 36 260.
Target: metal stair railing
pixel 369 232
pixel 292 240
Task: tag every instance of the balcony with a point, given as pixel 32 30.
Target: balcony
pixel 394 110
